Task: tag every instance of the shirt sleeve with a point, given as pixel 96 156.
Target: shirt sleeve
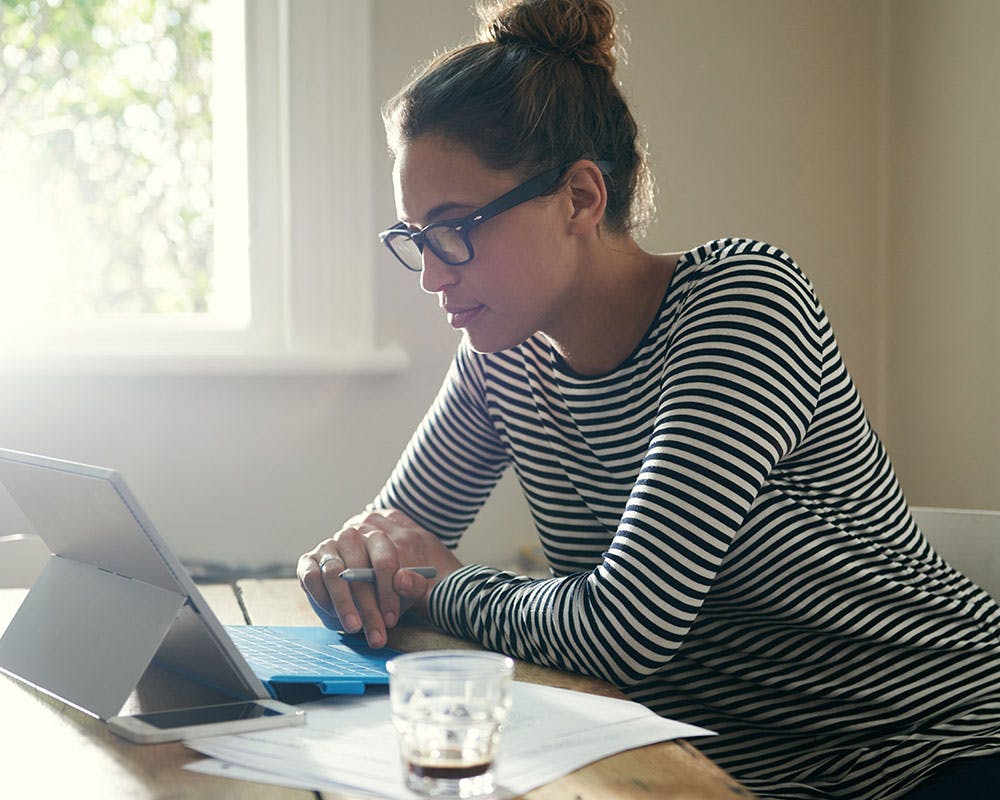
pixel 453 460
pixel 740 385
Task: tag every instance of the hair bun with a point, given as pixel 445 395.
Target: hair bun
pixel 580 29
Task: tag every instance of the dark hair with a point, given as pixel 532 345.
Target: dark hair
pixel 536 90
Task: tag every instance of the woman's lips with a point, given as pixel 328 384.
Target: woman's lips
pixel 462 317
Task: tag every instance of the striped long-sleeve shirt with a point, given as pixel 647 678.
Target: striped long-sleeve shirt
pixel 727 539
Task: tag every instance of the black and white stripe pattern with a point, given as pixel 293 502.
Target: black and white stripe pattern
pixel 727 539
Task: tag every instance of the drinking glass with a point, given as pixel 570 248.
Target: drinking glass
pixel 448 707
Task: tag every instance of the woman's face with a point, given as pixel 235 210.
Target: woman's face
pixel 522 274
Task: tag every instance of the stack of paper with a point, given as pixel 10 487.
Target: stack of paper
pixel 349 744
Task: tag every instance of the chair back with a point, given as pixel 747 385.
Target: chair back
pixel 967 539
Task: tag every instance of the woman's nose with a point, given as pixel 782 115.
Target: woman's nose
pixel 437 275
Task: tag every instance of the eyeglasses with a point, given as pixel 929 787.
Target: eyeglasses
pixel 449 239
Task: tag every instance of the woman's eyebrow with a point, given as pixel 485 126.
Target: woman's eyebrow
pixel 447 210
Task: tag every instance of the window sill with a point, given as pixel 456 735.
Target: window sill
pixel 213 363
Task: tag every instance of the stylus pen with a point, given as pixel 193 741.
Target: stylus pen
pixel 367 575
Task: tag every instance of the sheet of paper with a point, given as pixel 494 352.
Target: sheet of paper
pixel 349 743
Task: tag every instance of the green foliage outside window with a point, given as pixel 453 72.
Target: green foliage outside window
pixel 106 126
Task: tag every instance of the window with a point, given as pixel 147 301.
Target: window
pixel 173 175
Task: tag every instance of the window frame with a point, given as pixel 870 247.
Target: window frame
pixel 311 251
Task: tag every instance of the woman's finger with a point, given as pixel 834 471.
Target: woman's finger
pixel 353 546
pixel 385 562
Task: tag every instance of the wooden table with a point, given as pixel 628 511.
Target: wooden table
pixel 52 750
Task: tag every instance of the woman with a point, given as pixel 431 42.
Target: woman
pixel 727 538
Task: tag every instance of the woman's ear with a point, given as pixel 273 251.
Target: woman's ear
pixel 588 193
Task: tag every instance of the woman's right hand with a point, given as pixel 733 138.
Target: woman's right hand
pixel 385 541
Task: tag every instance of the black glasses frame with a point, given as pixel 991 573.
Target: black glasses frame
pixel 529 190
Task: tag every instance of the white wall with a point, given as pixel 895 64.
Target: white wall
pixel 945 290
pixel 763 121
pixel 764 118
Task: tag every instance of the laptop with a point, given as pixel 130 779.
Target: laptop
pixel 113 598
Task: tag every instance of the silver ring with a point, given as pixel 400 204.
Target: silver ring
pixel 327 558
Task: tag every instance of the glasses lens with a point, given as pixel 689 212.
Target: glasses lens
pixel 448 244
pixel 406 250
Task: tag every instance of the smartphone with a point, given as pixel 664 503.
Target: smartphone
pixel 189 723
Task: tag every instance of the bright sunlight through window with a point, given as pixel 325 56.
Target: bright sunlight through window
pixel 186 185
pixel 123 179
